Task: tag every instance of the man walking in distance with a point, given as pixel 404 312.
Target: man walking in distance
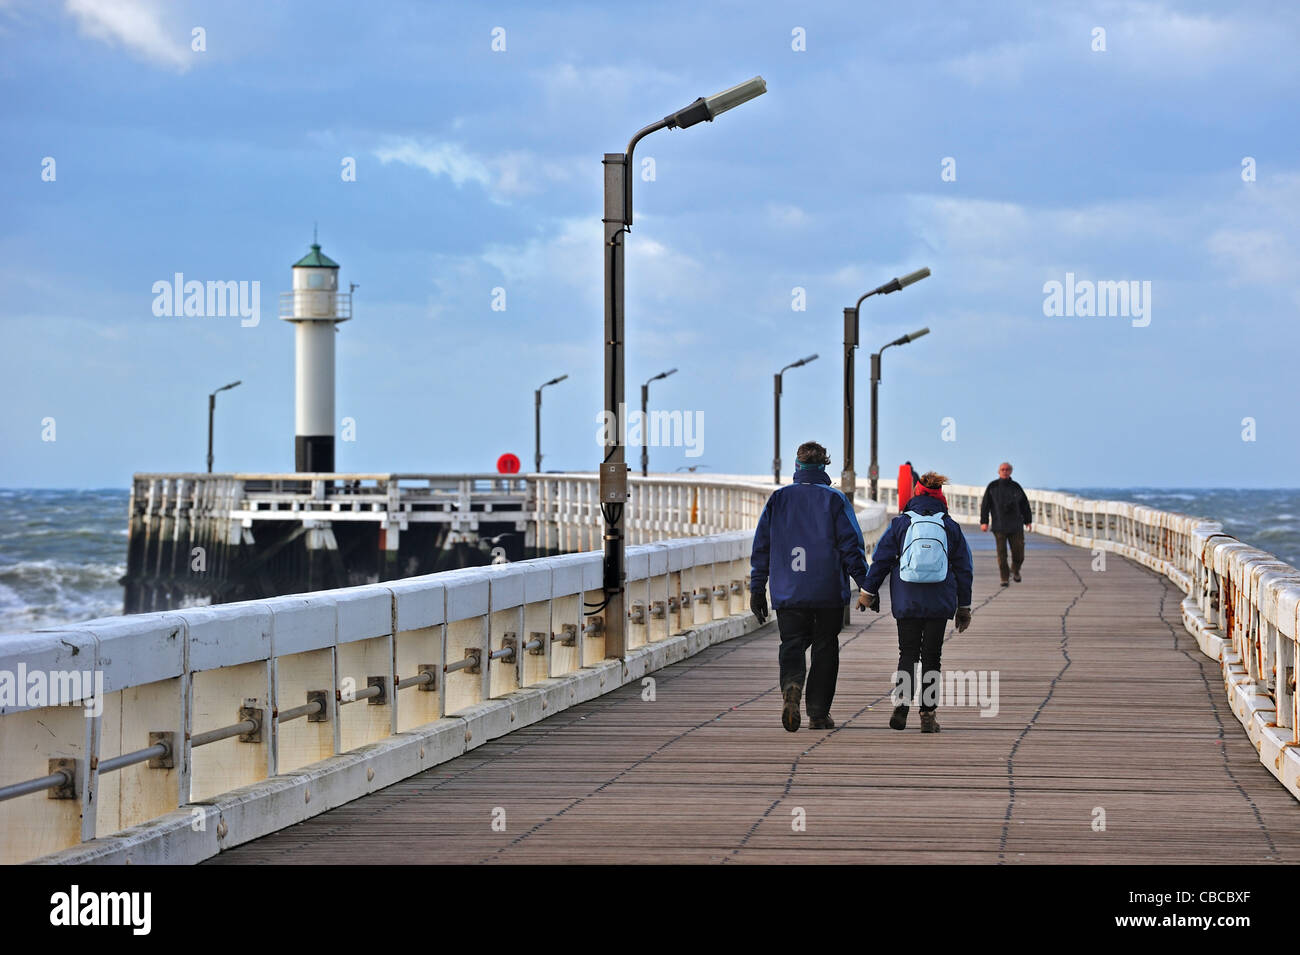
pixel 925 555
pixel 1008 507
pixel 808 543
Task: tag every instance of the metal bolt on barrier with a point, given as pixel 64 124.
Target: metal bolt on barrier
pixel 470 664
pixel 61 782
pixel 322 715
pixel 426 679
pixel 248 729
pixel 309 709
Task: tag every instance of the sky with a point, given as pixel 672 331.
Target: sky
pixel 1004 145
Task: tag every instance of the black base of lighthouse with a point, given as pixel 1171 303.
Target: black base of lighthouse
pixel 313 453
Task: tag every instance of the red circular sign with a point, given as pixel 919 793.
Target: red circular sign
pixel 507 464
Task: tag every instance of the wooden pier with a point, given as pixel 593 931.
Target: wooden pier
pixel 196 539
pixel 199 539
pixel 1113 743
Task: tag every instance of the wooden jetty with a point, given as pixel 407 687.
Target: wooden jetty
pixel 1113 743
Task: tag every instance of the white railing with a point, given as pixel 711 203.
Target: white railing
pixel 215 725
pixel 567 508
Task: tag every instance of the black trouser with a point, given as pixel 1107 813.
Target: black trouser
pixel 919 637
pixel 1016 540
pixel 819 628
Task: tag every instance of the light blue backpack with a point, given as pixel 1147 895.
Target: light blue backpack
pixel 925 550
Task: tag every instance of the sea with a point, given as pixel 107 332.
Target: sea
pixel 63 552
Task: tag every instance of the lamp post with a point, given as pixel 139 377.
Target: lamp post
pixel 645 420
pixel 875 382
pixel 613 466
pixel 212 407
pixel 537 423
pixel 776 416
pixel 848 479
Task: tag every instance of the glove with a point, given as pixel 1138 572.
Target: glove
pixel 962 620
pixel 758 605
pixel 868 601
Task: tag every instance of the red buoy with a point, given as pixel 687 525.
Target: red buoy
pixel 508 464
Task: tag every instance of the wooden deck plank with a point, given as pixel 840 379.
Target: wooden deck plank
pixel 1104 703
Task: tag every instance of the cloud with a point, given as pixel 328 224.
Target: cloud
pixel 1254 255
pixel 136 25
pixel 1232 233
pixel 1001 65
pixel 567 84
pixel 1141 38
pixel 506 176
pixel 437 159
pixel 787 216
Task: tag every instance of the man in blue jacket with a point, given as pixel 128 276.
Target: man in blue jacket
pixel 922 610
pixel 808 544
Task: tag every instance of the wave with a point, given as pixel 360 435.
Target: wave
pixel 50 593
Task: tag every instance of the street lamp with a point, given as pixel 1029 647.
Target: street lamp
pixel 848 480
pixel 875 382
pixel 645 421
pixel 537 423
pixel 613 466
pixel 212 407
pixel 776 416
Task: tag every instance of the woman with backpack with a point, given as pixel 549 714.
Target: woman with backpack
pixel 928 561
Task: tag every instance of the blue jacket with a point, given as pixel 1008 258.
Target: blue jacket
pixel 809 540
pixel 922 600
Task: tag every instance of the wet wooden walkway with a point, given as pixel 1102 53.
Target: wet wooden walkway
pixel 1108 713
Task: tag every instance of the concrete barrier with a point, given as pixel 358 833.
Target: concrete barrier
pixel 235 720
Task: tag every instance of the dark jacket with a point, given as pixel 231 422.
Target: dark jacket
pixel 908 600
pixel 809 541
pixel 1005 501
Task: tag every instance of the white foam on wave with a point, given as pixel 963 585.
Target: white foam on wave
pixel 36 594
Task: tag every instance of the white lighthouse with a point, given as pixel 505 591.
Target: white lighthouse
pixel 315 307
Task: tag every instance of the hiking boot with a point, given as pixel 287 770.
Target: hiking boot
pixel 790 718
pixel 899 720
pixel 1016 576
pixel 821 723
pixel 928 723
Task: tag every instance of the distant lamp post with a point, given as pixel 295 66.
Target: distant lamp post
pixel 613 466
pixel 848 479
pixel 645 420
pixel 212 407
pixel 776 416
pixel 537 423
pixel 875 382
